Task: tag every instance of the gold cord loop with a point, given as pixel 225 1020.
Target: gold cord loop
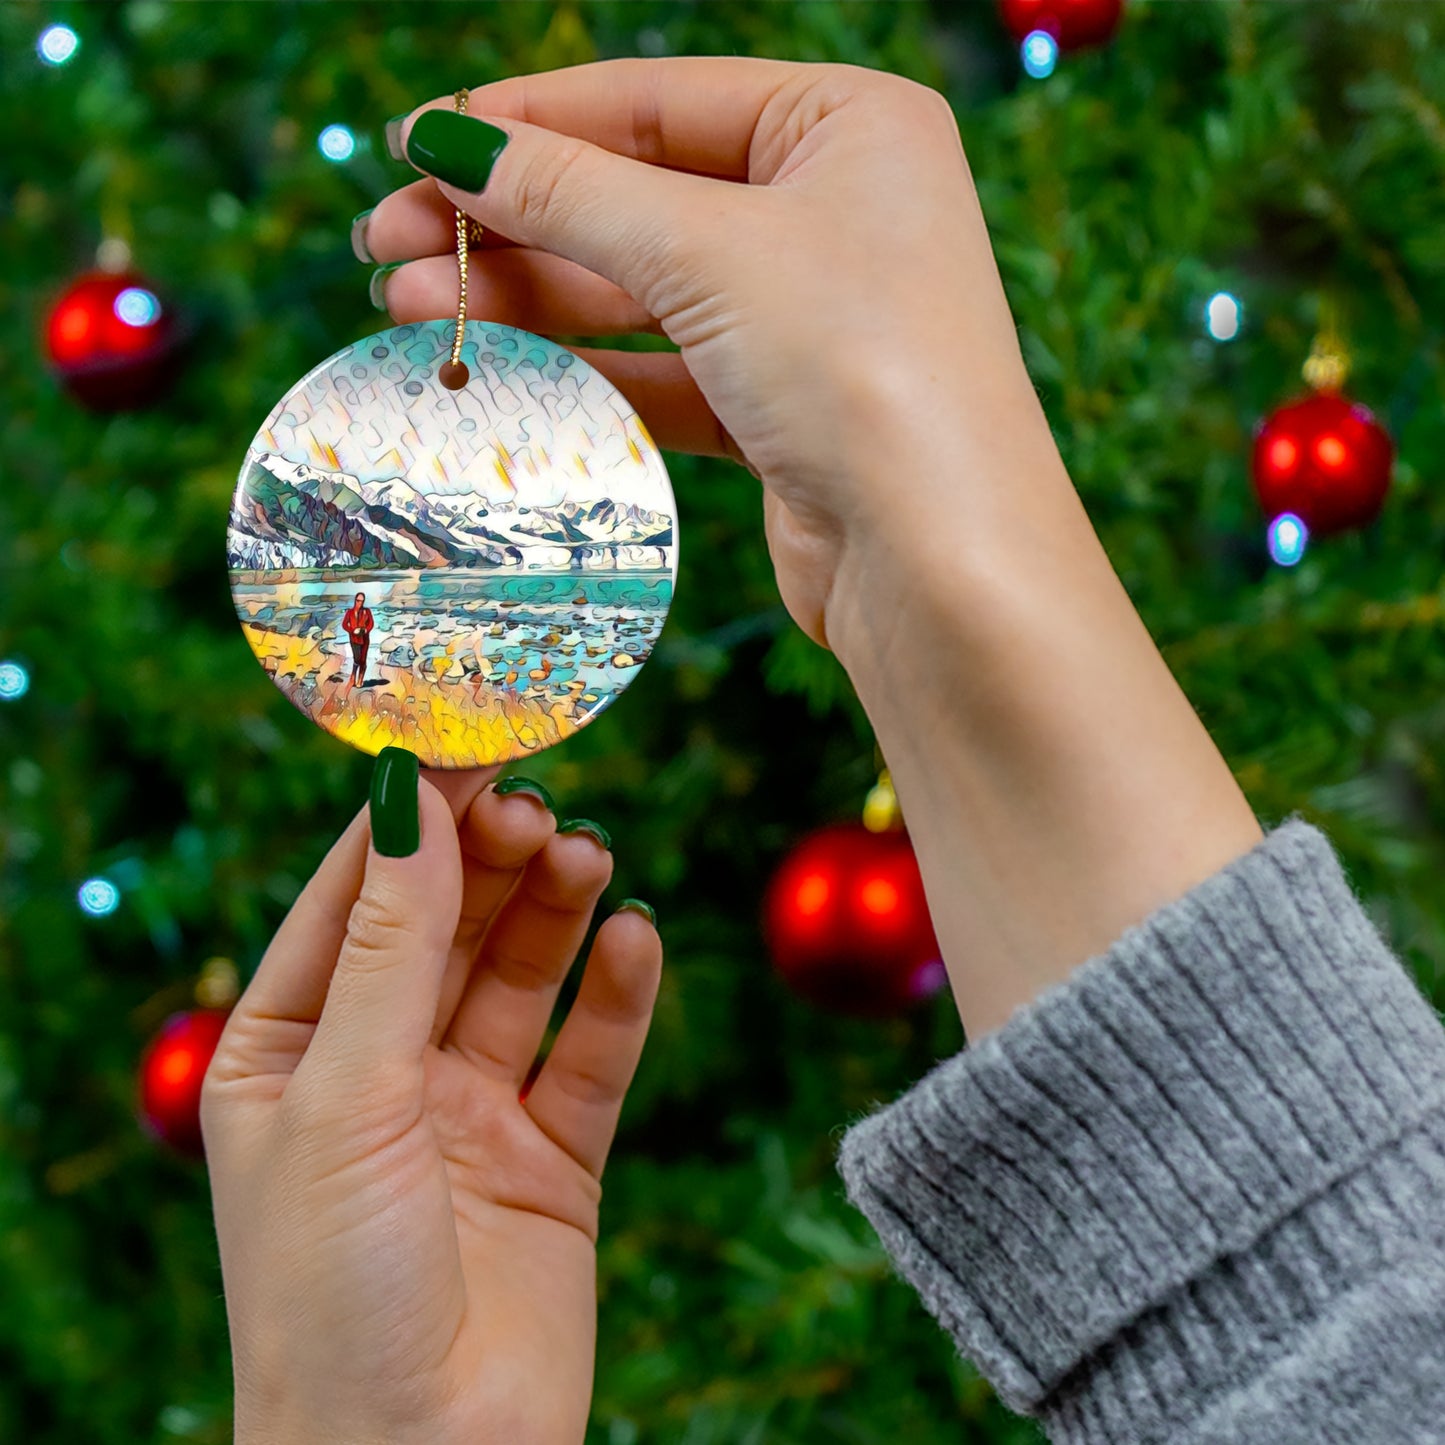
pixel 453 374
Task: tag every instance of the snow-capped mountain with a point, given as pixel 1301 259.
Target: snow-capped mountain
pixel 291 514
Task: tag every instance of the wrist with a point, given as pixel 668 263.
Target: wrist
pixel 1057 784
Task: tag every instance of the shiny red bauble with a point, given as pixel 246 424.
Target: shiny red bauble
pixel 1326 459
pixel 111 341
pixel 847 923
pixel 171 1072
pixel 1072 23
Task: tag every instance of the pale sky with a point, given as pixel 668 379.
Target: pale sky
pixel 534 426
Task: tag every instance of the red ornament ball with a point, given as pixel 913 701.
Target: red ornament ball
pixel 1073 23
pixel 171 1072
pixel 847 923
pixel 1324 458
pixel 111 341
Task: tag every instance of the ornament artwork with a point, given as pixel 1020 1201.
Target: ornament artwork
pixel 1324 458
pixel 111 341
pixel 847 923
pixel 1072 24
pixel 456 538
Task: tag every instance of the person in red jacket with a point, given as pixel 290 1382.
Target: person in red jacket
pixel 358 623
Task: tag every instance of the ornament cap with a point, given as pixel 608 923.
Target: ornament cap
pixel 1327 367
pixel 880 809
pixel 219 984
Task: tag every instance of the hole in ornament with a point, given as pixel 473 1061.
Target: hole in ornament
pixel 453 375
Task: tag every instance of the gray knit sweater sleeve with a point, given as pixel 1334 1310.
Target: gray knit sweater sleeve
pixel 1196 1193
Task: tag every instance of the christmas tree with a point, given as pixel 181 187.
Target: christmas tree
pixel 161 804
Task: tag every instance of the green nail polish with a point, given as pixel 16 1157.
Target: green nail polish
pixel 359 248
pixel 455 148
pixel 395 811
pixel 586 825
pixel 636 905
pixel 392 133
pixel 377 288
pixel 533 789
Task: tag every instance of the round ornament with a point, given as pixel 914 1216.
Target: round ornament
pixel 847 922
pixel 1325 459
pixel 111 341
pixel 470 573
pixel 172 1071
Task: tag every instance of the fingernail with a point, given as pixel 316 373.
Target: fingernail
pixel 455 148
pixel 393 137
pixel 636 905
pixel 377 288
pixel 395 812
pixel 586 825
pixel 359 247
pixel 525 785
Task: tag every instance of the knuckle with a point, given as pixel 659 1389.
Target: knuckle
pixel 587 1086
pixel 934 105
pixel 908 99
pixel 374 934
pixel 520 970
pixel 649 141
pixel 542 189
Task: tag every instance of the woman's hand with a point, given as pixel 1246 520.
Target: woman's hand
pixel 831 312
pixel 810 237
pixel 408 1246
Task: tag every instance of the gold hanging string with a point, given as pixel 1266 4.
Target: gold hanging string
pixel 453 374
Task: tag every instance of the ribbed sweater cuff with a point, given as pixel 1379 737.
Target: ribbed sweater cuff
pixel 1235 1056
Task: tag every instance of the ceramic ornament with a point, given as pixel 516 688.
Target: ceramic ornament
pixel 471 571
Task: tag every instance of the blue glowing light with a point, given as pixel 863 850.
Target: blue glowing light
pixel 57 44
pixel 1287 538
pixel 1223 316
pixel 1040 53
pixel 14 681
pixel 337 143
pixel 137 306
pixel 98 897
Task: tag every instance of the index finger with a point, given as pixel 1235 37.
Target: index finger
pixel 687 112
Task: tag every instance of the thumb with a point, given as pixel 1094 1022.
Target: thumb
pixel 636 224
pixel 382 1000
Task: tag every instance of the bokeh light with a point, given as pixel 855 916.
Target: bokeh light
pixel 137 307
pixel 14 681
pixel 1040 53
pixel 879 897
pixel 336 143
pixel 1288 536
pixel 57 44
pixel 98 897
pixel 1223 316
pixel 812 896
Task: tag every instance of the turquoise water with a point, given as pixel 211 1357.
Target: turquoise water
pixel 588 631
